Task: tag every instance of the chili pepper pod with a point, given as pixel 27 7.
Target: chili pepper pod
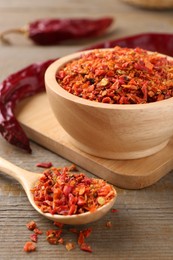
pixel 13 89
pixel 160 42
pixel 10 128
pixel 55 31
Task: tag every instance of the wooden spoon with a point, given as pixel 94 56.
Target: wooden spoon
pixel 28 179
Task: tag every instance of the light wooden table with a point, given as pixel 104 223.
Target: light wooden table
pixel 143 226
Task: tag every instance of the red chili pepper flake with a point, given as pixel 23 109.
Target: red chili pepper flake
pixel 58 224
pixel 108 224
pixel 44 164
pixel 70 246
pixel 37 231
pixel 61 241
pixel 53 236
pixel 119 76
pixel 74 230
pixel 29 247
pixel 72 168
pixel 34 237
pixel 81 238
pixel 87 232
pixel 82 234
pixel 31 225
pixel 114 210
pixel 86 247
pixel 62 192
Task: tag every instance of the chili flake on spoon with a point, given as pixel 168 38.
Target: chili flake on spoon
pixel 62 192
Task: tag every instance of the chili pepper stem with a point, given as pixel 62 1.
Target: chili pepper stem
pixel 23 30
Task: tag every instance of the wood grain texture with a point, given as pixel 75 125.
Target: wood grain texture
pixel 143 226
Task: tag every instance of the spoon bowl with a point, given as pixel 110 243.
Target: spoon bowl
pixel 28 179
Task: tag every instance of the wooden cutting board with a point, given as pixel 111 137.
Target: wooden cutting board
pixel 38 121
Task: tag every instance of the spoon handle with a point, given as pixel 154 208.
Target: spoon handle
pixel 16 172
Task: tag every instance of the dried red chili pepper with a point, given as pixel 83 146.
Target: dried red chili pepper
pixel 62 192
pixel 56 31
pixel 13 89
pixel 159 42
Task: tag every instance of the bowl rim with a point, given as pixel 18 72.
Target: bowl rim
pixel 51 83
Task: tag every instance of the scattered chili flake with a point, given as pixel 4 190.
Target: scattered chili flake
pixel 58 224
pixel 86 247
pixel 70 246
pixel 108 224
pixel 29 247
pixel 34 237
pixel 87 232
pixel 74 230
pixel 52 240
pixel 31 225
pixel 119 76
pixel 44 164
pixel 82 234
pixel 61 241
pixel 37 231
pixel 62 192
pixel 81 238
pixel 53 236
pixel 114 210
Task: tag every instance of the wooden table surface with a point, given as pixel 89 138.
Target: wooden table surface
pixel 143 226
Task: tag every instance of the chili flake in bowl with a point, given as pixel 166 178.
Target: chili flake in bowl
pixel 122 76
pixel 114 103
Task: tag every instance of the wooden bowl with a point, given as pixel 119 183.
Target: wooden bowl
pixel 111 131
pixel 151 4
